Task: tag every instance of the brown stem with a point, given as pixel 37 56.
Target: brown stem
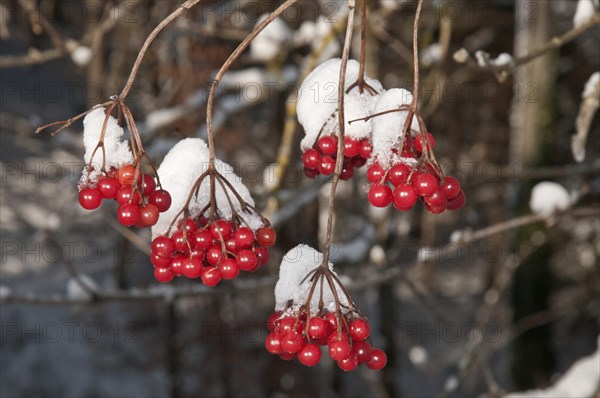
pixel 232 58
pixel 360 80
pixel 136 66
pixel 339 162
pixel 66 123
pixel 402 108
pixel 416 56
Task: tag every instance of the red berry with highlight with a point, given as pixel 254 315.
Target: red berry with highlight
pixel 377 360
pixel 161 199
pixel 425 184
pixel 128 214
pixel 90 198
pixel 266 236
pixel 328 145
pixel 108 187
pixel 211 276
pixel 229 269
pixel 191 268
pixel 380 195
pixel 163 275
pixel 310 355
pixel 327 166
pixel 311 159
pixel 405 197
pixel 359 329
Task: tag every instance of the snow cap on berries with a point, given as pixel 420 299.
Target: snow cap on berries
pixel 180 169
pixel 116 150
pixel 387 128
pixel 318 102
pixel 295 266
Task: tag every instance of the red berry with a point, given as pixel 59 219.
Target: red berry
pixel 231 246
pixel 273 343
pixel 451 187
pixel 365 149
pixel 128 214
pixel 377 360
pixel 334 336
pixel 437 202
pixel 176 264
pixel 221 230
pixel 358 162
pixel 163 246
pixel 126 194
pixel 359 329
pixel 161 199
pixel 190 226
pixel 273 320
pixel 380 195
pixel 375 173
pixel 262 254
pixel 148 215
pixel 148 184
pixel 229 269
pixel 311 173
pixel 214 254
pixel 407 154
pixel 266 236
pixel 362 351
pixel 317 328
pixel 90 198
pixel 422 139
pixel 310 355
pixel 211 276
pixel 408 143
pixel 292 342
pixel 458 202
pixel 328 145
pixel 290 323
pixel 244 237
pixel 191 268
pixel 348 364
pixel 351 147
pixel 331 321
pixel 311 159
pixel 327 166
pixel 347 173
pixel 286 356
pixel 339 350
pixel 179 239
pixel 246 260
pixel 425 184
pixel 163 275
pixel 399 174
pixel 405 197
pixel 202 239
pixel 126 174
pixel 160 261
pixel 108 187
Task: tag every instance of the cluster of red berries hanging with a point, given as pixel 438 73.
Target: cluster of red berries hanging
pixel 412 177
pixel 302 336
pixel 211 250
pixel 140 200
pixel 314 310
pixel 320 159
pixel 114 170
pixel 212 231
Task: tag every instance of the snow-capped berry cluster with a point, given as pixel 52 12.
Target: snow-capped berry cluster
pixel 320 159
pixel 140 202
pixel 113 172
pixel 411 178
pixel 209 232
pixel 211 250
pixel 313 309
pixel 301 336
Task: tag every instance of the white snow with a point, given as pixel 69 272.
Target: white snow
pixel 314 34
pixel 590 86
pixel 317 103
pixel 387 128
pixel 503 59
pixel 585 10
pixel 548 197
pixel 76 291
pixel 431 55
pixel 581 380
pixel 271 40
pixel 295 266
pixel 484 59
pixel 178 172
pixel 116 150
pixel 4 292
pixel 82 55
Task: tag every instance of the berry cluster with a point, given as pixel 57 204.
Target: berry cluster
pixel 414 177
pixel 211 250
pixel 140 200
pixel 320 159
pixel 301 336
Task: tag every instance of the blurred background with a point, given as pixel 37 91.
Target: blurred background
pixel 480 302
